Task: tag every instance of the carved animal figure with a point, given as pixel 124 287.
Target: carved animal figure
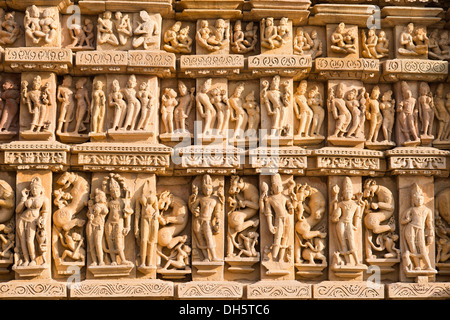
pixel 174 222
pixel 315 251
pixel 315 208
pixel 63 218
pixel 443 204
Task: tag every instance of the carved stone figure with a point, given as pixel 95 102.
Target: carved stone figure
pixel 315 102
pixel 123 27
pixel 83 106
pixel 338 108
pixel 242 220
pixel 277 207
pixel 441 113
pixel 309 240
pixel 146 225
pixel 413 45
pixel 168 103
pixel 67 106
pixel 38 104
pixel 173 220
pixel 273 37
pixel 146 32
pixel 71 197
pixel 346 216
pixel 251 106
pixel 387 107
pixel 244 41
pixel 82 35
pixel 184 107
pixel 37 28
pixel 238 113
pixel 145 97
pixel 32 210
pixel 426 109
pixel 117 103
pixel 177 39
pixel 11 99
pixel 407 116
pixel 118 224
pixel 206 210
pixel 223 109
pixel 418 232
pixel 374 47
pixel 343 42
pixel 442 227
pixel 438 45
pixel 374 115
pixel 10 30
pixel 206 108
pixel 98 107
pixel 379 208
pixel 302 110
pixel 95 228
pixel 213 38
pixel 105 30
pixel 7 225
pixel 276 105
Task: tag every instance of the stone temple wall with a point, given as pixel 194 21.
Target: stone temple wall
pixel 239 149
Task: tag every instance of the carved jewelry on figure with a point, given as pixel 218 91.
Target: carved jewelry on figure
pixel 38 104
pixel 276 103
pixel 33 211
pixel 408 116
pixel 98 107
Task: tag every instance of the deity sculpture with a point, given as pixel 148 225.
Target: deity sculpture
pixel 117 103
pixel 346 216
pixel 374 47
pixel 38 103
pixel 273 37
pixel 302 110
pixel 146 224
pixel 407 116
pixel 442 224
pixel 244 41
pixel 177 39
pixel 118 223
pixel 83 106
pixel 98 107
pixel 413 45
pixel 276 104
pixel 379 208
pixel 184 107
pixel 146 33
pixel 418 233
pixel 277 207
pixel 145 97
pixel 206 210
pixel 441 113
pixel 343 42
pixel 32 213
pixel 11 99
pixel 213 39
pixel 243 201
pixel 426 109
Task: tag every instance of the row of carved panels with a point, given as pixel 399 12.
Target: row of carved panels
pixel 131 225
pixel 44 27
pixel 275 111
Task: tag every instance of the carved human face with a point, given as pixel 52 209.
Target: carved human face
pixel 182 88
pixel 7 85
pixel 418 199
pixel 107 15
pixel 98 85
pixel 36 190
pixel 100 197
pixel 115 192
pixel 207 189
pixel 238 91
pixel 177 26
pixel 131 82
pixel 375 94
